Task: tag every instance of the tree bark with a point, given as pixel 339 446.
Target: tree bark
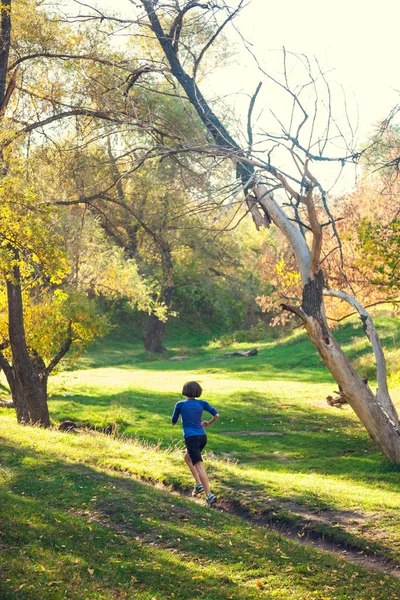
pixel 29 387
pixel 153 333
pixel 5 39
pixel 18 397
pixel 381 422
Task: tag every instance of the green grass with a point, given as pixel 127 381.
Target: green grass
pixel 73 528
pixel 78 519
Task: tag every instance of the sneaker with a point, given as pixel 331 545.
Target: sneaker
pixel 211 499
pixel 198 489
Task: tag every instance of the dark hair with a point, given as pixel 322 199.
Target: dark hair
pixel 192 389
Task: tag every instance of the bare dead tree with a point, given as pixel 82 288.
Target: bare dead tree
pixel 303 141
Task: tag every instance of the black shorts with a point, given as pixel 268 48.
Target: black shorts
pixel 194 445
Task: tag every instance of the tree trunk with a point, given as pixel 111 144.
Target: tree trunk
pixel 25 416
pixel 251 316
pixel 19 400
pixel 381 423
pixel 153 333
pixel 375 411
pixel 29 388
pixel 18 397
pixel 5 38
pixel 154 329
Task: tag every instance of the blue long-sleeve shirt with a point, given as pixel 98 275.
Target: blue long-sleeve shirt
pixel 191 411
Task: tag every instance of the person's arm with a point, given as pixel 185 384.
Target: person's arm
pixel 213 413
pixel 175 416
pixel 210 422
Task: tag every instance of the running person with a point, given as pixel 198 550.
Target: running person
pixel 191 411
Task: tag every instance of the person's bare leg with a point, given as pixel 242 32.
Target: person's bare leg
pixel 199 466
pixel 192 468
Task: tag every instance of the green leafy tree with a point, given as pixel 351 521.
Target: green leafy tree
pixel 43 86
pixel 30 257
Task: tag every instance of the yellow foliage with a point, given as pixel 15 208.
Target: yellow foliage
pixel 27 237
pixel 49 317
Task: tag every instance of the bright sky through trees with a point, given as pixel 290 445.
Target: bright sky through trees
pixel 357 39
pixel 355 42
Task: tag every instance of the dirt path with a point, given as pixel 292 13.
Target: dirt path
pixel 316 540
pixel 309 538
pixel 306 536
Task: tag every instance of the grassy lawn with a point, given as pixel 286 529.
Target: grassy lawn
pixel 78 519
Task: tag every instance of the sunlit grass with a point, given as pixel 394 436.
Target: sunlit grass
pixel 73 528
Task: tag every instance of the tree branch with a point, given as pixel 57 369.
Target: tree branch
pixel 210 120
pixel 249 114
pixel 295 310
pixel 380 302
pixel 214 37
pixel 289 230
pixel 102 61
pixel 382 393
pixel 176 27
pixel 71 113
pixel 315 225
pixel 61 353
pixel 9 91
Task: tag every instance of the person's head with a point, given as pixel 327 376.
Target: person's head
pixel 192 389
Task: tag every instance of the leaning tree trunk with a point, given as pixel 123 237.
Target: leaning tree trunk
pixel 380 421
pixel 154 328
pixel 29 389
pixel 375 411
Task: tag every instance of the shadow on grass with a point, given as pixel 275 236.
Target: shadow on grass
pixel 71 531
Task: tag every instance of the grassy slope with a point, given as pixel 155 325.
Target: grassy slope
pixel 80 531
pixel 98 532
